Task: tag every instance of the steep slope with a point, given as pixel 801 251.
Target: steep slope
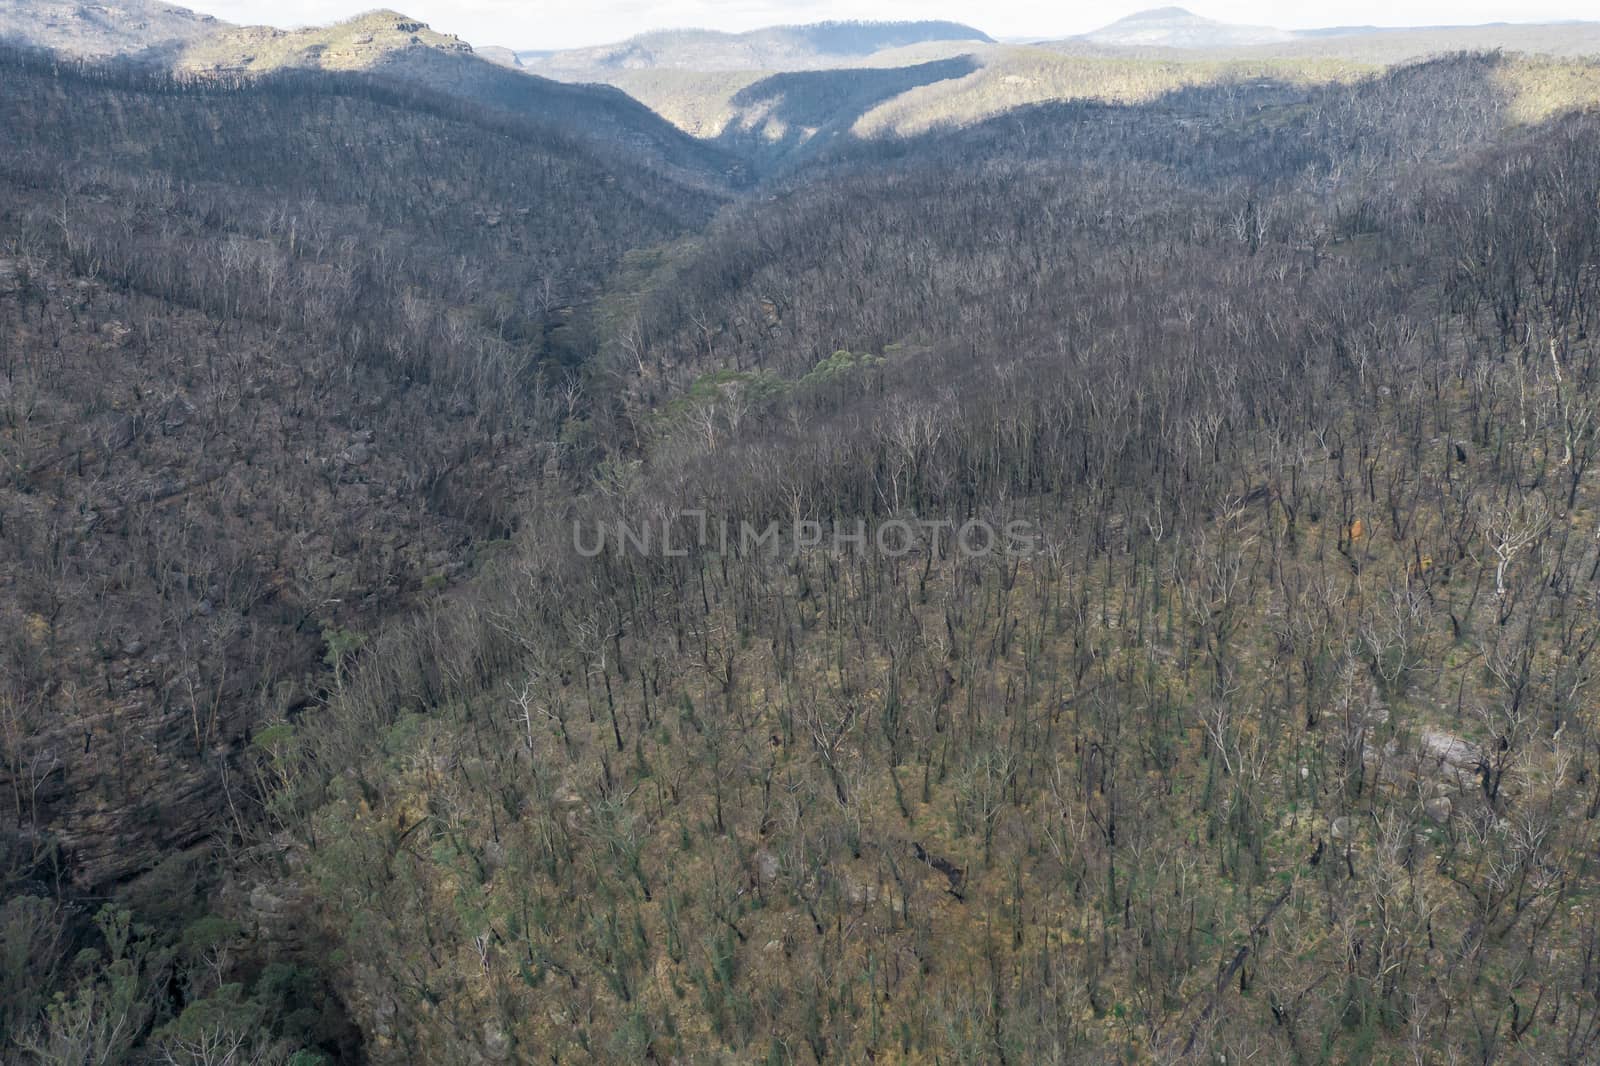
pixel 97 30
pixel 1298 685
pixel 1270 737
pixel 1212 137
pixel 277 356
pixel 776 48
pixel 393 46
pixel 777 120
pixel 1000 79
pixel 499 54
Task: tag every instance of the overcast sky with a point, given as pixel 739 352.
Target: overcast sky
pixel 569 23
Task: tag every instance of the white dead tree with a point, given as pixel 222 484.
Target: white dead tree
pixel 1511 528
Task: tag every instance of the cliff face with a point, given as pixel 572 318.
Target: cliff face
pixel 122 787
pixel 361 43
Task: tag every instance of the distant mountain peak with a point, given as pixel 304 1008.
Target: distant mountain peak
pixel 1177 27
pixel 357 43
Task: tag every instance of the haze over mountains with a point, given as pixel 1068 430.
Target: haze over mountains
pixel 727 108
pixel 814 47
pixel 710 84
pixel 1167 28
pixel 722 87
pixel 1174 27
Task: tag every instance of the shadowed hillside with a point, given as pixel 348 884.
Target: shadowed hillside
pixel 277 357
pixel 787 116
pixel 1008 81
pixel 395 46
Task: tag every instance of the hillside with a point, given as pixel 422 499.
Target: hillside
pixel 249 326
pixel 1563 40
pixel 1273 746
pixel 360 43
pixel 774 121
pixel 383 44
pixel 260 394
pixel 395 47
pixel 497 54
pixel 88 29
pixel 988 554
pixel 776 48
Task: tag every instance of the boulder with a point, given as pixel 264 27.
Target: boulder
pixel 1437 762
pixel 569 805
pixel 120 433
pixel 496 1043
pixel 1448 760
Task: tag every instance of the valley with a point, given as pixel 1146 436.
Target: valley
pixel 323 350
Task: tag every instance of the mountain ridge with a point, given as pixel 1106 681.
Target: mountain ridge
pixel 798 47
pixel 99 30
pixel 391 45
pixel 1177 27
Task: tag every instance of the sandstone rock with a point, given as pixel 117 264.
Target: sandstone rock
pixel 496 1044
pixel 1437 761
pixel 101 775
pixel 569 805
pixel 120 433
pixel 859 894
pixel 277 911
pixel 1438 809
pixel 856 893
pixel 494 857
pixel 1449 749
pixel 1448 759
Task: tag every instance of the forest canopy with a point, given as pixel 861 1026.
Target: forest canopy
pixel 321 740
